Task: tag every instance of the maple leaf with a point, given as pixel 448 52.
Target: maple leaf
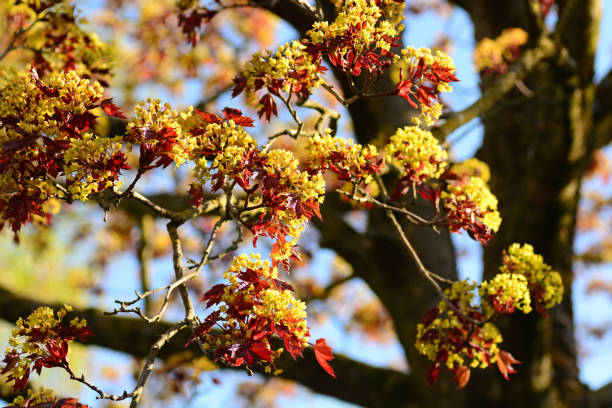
pixel 240 82
pixel 237 117
pixel 197 195
pixel 504 363
pixel 204 327
pixel 323 354
pixel 268 107
pixel 111 109
pixel 213 296
pixel 210 117
pixel 462 376
pixel 259 349
pixel 432 373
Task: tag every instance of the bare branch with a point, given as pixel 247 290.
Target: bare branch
pixel 494 93
pixel 150 361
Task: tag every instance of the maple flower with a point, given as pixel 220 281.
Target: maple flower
pixel 472 167
pixel 358 39
pixel 34 397
pixel 340 155
pixel 254 310
pixel 254 307
pixel 219 148
pixel 506 291
pixel 156 128
pixel 43 398
pixel 290 70
pixel 41 340
pixel 471 206
pixel 494 55
pixel 51 137
pixel 416 153
pixel 450 339
pixel 545 284
pixel 423 75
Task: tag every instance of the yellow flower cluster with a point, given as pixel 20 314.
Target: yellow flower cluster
pixel 34 397
pixel 430 345
pixel 392 11
pixel 363 13
pixel 42 321
pixel 306 187
pixel 84 51
pixel 507 289
pixel 81 158
pixel 217 147
pixel 521 259
pixel 36 110
pixel 327 150
pixel 416 152
pixel 59 38
pixel 495 54
pixel 477 191
pixel 473 168
pixel 68 95
pixel 283 163
pixel 276 305
pixel 409 62
pixel 290 63
pixel 252 261
pixel 160 121
pixel 282 308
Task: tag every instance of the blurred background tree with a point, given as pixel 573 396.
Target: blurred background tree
pixel 538 115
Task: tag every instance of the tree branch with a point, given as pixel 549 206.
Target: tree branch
pixel 357 382
pixel 602 112
pixel 494 93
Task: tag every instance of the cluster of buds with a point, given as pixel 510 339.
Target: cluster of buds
pixel 494 56
pixel 252 310
pixel 43 398
pixel 350 162
pixel 291 71
pixel 52 136
pixel 41 341
pixel 423 75
pixel 418 155
pixel 472 207
pixel 359 39
pixel 284 196
pixel 545 285
pixel 458 333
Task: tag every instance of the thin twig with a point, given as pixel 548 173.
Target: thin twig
pixel 101 394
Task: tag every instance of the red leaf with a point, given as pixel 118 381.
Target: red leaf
pixel 210 117
pixel 323 354
pixel 204 327
pixel 261 350
pixel 504 363
pixel 462 376
pixel 432 374
pixel 111 109
pixel 237 117
pixel 240 82
pixel 213 295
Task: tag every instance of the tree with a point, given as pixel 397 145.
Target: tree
pixel 64 140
